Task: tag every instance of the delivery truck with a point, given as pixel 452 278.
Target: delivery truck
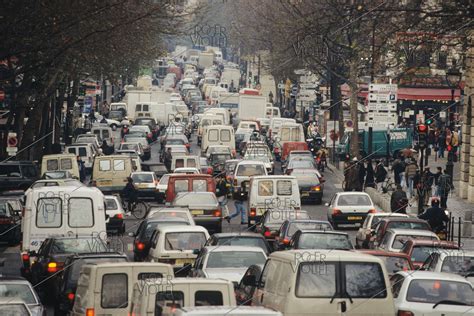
pixel 205 59
pixel 136 96
pixel 252 107
pixel 228 100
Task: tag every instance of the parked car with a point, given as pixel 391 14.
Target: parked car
pixel 18 175
pixel 349 208
pixel 420 250
pixel 18 289
pixel 317 239
pixel 239 239
pixel 227 262
pixel 365 232
pixel 291 226
pixel 428 293
pixel 394 239
pixel 394 261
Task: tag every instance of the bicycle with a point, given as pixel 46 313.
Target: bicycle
pixel 139 209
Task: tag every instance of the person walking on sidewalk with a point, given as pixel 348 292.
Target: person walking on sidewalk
pixel 399 200
pixel 239 202
pixel 398 168
pixel 370 175
pixel 427 180
pixel 410 171
pixel 380 174
pixel 167 159
pixel 436 180
pixel 441 144
pixel 445 185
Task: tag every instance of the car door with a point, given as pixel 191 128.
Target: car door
pixel 39 267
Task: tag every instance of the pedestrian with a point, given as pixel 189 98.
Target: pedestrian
pixel 222 191
pixel 438 173
pixel 427 180
pixel 445 185
pixel 370 175
pixel 362 174
pixel 435 216
pixel 410 171
pixel 82 169
pixel 105 109
pixel 398 167
pixel 380 174
pixel 441 144
pixel 167 159
pixel 399 200
pixel 239 202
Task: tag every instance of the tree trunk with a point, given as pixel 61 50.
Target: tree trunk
pixel 31 132
pixel 354 89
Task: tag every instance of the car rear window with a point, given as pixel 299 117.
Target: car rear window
pixel 294 227
pixel 225 135
pixel 324 241
pixel 284 187
pixel 408 225
pixel 17 291
pixel 52 165
pixel 9 171
pixel 434 291
pixel 234 259
pixel 181 186
pixel 208 298
pixel 250 170
pixel 199 185
pixel 395 264
pixel 213 135
pixel 184 241
pixel 400 240
pixel 49 213
pixel 265 188
pixel 142 178
pixel 81 212
pixel 353 200
pixel 114 291
pixel 119 164
pixel 460 264
pixel 111 204
pixel 316 279
pixel 104 165
pixel 242 241
pixel 365 280
pixel 79 245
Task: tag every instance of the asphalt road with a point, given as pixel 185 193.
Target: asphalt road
pixel 11 255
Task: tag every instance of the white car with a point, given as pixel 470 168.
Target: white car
pixel 135 147
pixel 371 221
pixel 17 288
pixel 116 213
pixel 428 293
pixel 394 239
pixel 452 261
pixel 140 128
pixel 227 262
pixel 218 149
pixel 179 150
pixel 186 171
pixel 349 208
pixel 145 182
pixel 167 212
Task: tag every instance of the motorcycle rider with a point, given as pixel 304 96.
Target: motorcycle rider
pixel 321 158
pixel 313 130
pixel 435 216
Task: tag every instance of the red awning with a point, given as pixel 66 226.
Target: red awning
pixel 415 94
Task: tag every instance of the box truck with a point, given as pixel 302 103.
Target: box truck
pixel 252 107
pixel 205 60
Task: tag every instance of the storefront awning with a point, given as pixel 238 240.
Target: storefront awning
pixel 415 94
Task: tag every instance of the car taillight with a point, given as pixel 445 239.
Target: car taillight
pixel 253 212
pixel 217 213
pixel 316 188
pixel 372 211
pixel 168 261
pixel 209 170
pixel 70 296
pixel 90 312
pixel 119 216
pixel 335 211
pixel 404 313
pixel 140 246
pixel 267 233
pixel 54 267
pixel 286 241
pixel 25 257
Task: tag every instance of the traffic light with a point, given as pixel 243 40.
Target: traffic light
pixel 422 130
pixel 429 121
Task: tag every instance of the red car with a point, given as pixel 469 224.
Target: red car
pixel 189 183
pixel 394 223
pixel 419 250
pixel 394 261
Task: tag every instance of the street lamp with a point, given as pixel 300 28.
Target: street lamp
pixel 453 78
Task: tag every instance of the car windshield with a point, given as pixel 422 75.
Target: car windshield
pixel 324 241
pixel 400 240
pixel 184 240
pixel 242 241
pixel 17 291
pixel 77 265
pixel 234 259
pixel 294 227
pixel 250 170
pixel 219 158
pixel 395 264
pixel 78 245
pixel 278 217
pixel 301 164
pixel 195 199
pixel 434 291
pixel 142 178
pixel 152 226
pixel 354 200
pixel 306 179
pixel 460 264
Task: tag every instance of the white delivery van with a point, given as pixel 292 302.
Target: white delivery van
pixel 85 151
pixel 60 162
pixel 111 172
pixel 326 282
pixel 224 113
pixel 218 135
pixel 272 193
pixel 238 310
pixel 206 120
pixel 275 124
pixel 62 211
pixel 155 297
pixel 106 288
pixel 214 95
pixel 104 132
pixel 185 162
pixel 289 132
pixel 272 112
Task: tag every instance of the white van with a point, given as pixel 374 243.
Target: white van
pixel 326 282
pixel 85 151
pixel 206 120
pixel 289 132
pixel 272 192
pixel 155 297
pixel 62 210
pixel 214 94
pixel 272 112
pixel 146 109
pixel 224 113
pixel 239 310
pixel 275 124
pixel 104 132
pixel 248 124
pixel 218 135
pixel 111 172
pixel 60 162
pixel 106 288
pixel 185 162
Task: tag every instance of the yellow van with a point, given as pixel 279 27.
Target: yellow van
pixel 111 172
pixel 60 162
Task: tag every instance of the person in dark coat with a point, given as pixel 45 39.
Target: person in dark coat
pixel 82 169
pixel 370 175
pixel 362 173
pixel 167 159
pixel 380 174
pixel 435 216
pixel 130 193
pixel 399 200
pixel 445 185
pixel 398 167
pixel 106 149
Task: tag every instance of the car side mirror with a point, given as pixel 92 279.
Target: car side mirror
pixel 249 280
pixel 326 204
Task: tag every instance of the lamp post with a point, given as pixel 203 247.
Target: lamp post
pixel 453 78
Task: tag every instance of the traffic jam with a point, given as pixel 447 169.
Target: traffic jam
pixel 195 194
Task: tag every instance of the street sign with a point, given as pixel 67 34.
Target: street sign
pixel 281 86
pixel 349 126
pixel 12 143
pixel 420 118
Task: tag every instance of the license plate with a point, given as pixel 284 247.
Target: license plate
pixel 143 186
pixel 354 218
pixel 182 262
pixel 104 182
pixel 304 194
pixel 197 212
